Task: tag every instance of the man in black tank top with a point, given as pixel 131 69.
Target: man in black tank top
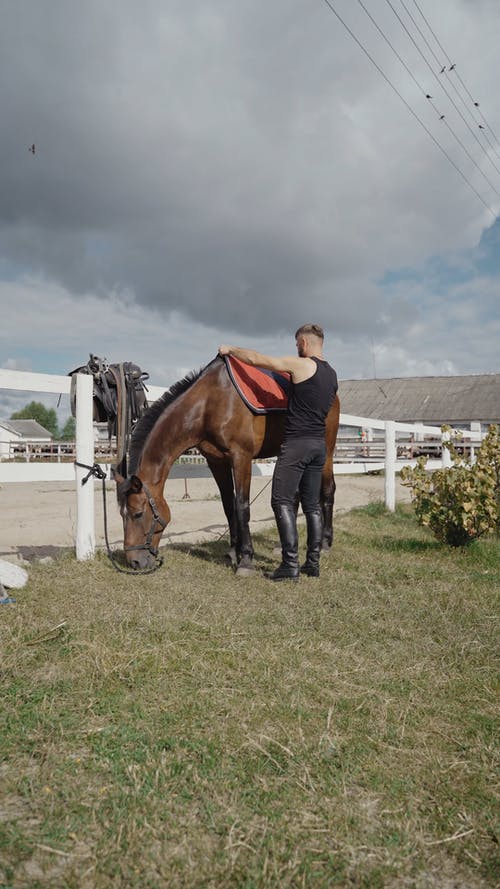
pixel 303 451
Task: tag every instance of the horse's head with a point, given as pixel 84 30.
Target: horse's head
pixel 145 517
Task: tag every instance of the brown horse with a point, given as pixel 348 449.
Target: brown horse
pixel 204 410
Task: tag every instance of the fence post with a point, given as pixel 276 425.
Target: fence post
pixel 85 529
pixel 390 465
pixel 446 460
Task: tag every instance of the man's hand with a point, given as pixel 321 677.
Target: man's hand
pixel 224 350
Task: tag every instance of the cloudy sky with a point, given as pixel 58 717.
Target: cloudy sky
pixel 221 171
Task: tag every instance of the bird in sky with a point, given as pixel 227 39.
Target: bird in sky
pixel 443 69
pixel 427 96
pixel 32 148
pixel 452 66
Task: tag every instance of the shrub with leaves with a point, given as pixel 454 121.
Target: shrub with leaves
pixel 462 502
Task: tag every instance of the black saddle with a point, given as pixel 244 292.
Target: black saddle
pixel 119 396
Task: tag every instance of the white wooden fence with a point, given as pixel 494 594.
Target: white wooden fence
pixel 85 528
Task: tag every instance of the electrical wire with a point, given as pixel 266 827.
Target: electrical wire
pixel 453 68
pixel 332 9
pixel 439 62
pixel 441 117
pixel 440 82
pixel 450 81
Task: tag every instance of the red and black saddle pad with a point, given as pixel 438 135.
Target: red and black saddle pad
pixel 263 391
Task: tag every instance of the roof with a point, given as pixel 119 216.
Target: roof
pixel 432 400
pixel 27 429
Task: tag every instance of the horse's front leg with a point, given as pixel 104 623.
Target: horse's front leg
pixel 242 475
pixel 223 475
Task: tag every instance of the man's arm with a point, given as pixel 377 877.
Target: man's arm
pixel 299 368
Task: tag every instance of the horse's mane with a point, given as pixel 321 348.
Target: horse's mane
pixel 152 415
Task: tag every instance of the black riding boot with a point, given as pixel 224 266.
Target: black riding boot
pixel 314 523
pixel 287 527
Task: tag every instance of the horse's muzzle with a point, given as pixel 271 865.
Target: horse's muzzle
pixel 142 561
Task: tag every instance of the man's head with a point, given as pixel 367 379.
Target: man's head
pixel 309 339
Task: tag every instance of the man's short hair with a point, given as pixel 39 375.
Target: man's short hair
pixel 308 329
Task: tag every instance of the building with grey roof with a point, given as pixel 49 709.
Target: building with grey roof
pixel 21 431
pixel 468 402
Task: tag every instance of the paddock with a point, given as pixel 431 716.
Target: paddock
pixel 83 521
pixel 185 729
pixel 38 519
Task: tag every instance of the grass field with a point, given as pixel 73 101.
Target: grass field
pixel 188 729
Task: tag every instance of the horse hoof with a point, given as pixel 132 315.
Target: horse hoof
pixel 245 571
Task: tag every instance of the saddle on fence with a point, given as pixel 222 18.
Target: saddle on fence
pixel 119 397
pixel 263 391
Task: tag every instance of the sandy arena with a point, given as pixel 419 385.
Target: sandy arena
pixel 39 519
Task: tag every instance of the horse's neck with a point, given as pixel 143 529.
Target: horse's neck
pixel 172 435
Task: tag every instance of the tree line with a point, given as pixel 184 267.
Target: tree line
pixel 47 418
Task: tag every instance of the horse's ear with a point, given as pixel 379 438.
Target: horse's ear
pixel 115 475
pixel 135 484
pixel 126 486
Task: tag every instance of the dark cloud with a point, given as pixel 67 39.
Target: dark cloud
pixel 240 163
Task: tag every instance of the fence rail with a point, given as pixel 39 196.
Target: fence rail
pixel 383 445
pixel 50 452
pixel 348 450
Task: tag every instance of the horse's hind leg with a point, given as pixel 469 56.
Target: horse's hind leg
pixel 327 500
pixel 223 475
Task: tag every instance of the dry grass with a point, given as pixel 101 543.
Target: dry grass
pixel 186 729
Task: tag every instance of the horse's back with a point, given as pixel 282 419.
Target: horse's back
pixel 228 422
pixel 232 428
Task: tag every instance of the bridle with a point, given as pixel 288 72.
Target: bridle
pixel 99 473
pixel 157 520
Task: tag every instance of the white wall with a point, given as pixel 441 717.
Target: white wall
pixel 6 436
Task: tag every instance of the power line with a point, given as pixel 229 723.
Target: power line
pixel 408 106
pixel 437 60
pixel 457 109
pixel 445 72
pixel 428 97
pixel 456 72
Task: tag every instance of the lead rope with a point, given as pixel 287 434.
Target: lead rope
pixel 226 529
pixel 97 472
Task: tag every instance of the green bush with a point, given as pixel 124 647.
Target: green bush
pixel 462 502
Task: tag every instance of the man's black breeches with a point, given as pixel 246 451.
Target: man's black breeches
pixel 298 469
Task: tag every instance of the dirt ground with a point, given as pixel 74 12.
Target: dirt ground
pixel 39 519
